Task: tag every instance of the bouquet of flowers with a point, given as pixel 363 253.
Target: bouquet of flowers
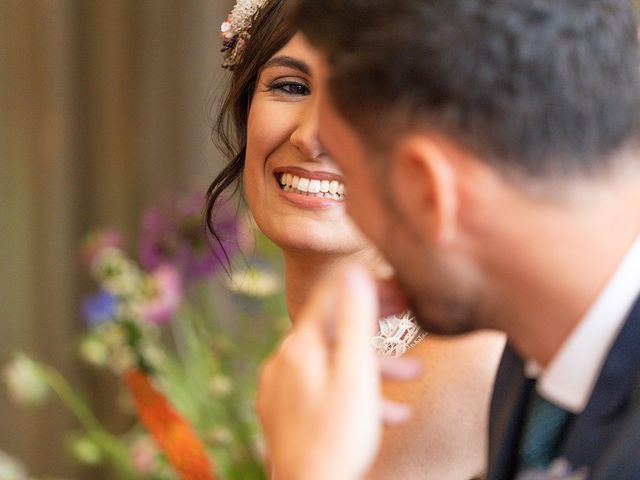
pixel 185 335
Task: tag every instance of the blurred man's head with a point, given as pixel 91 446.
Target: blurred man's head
pixel 453 118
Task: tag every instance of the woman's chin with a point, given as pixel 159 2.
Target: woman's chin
pixel 310 244
pixel 320 232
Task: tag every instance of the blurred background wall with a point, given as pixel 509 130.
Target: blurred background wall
pixel 103 108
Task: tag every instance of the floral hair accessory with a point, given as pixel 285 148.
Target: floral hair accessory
pixel 235 30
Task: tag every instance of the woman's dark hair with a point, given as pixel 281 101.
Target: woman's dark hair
pixel 269 33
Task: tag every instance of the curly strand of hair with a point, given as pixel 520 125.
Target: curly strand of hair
pixel 226 178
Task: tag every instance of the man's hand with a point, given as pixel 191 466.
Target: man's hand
pixel 319 395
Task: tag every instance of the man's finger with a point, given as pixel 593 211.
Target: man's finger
pixel 317 313
pixel 394 413
pixel 403 368
pixel 356 312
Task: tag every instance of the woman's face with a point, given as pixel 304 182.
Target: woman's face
pixel 294 190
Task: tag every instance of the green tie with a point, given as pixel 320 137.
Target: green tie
pixel 543 428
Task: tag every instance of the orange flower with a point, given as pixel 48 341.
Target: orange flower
pixel 174 435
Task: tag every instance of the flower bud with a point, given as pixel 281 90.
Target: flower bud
pixel 25 381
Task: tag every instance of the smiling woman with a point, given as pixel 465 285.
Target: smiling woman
pixel 297 195
pixel 287 177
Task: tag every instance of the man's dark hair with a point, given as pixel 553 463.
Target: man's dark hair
pixel 532 86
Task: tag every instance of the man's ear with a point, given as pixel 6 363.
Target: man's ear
pixel 423 186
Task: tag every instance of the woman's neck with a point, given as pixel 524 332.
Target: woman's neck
pixel 303 270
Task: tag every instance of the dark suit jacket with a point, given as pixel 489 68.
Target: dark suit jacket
pixel 605 437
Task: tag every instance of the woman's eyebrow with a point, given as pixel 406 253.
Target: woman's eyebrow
pixel 286 61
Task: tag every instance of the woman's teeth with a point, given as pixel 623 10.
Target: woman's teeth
pixel 312 187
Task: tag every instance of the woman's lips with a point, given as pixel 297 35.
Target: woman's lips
pixel 309 189
pixel 303 173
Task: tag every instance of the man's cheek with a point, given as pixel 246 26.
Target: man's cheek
pixel 365 217
pixel 357 211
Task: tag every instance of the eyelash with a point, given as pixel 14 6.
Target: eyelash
pixel 286 87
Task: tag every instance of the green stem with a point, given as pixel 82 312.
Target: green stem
pixel 179 341
pixel 78 407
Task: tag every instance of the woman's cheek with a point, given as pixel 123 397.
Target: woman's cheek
pixel 249 184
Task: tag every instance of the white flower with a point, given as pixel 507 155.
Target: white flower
pixel 113 335
pixel 221 436
pixel 242 14
pixel 235 31
pixel 10 469
pixel 85 451
pixel 94 351
pixel 25 382
pixel 124 358
pixel 152 354
pixel 220 386
pixel 254 282
pixel 118 274
pixel 397 335
pixel 144 455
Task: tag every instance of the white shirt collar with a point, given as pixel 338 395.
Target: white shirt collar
pixel 570 377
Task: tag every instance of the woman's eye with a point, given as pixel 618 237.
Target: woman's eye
pixel 291 88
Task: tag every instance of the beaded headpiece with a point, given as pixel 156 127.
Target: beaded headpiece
pixel 235 30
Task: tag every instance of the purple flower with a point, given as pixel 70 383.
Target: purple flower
pixel 173 233
pixel 165 295
pixel 99 308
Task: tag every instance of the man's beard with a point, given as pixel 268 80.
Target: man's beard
pixel 438 311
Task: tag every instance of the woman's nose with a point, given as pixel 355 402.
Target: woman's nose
pixel 305 136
